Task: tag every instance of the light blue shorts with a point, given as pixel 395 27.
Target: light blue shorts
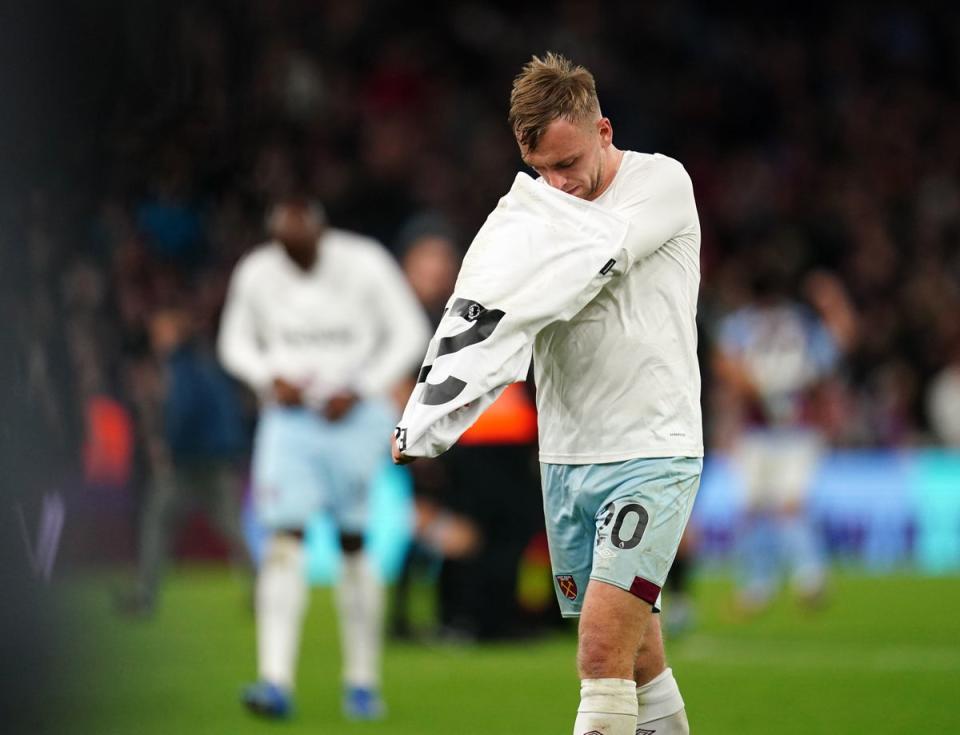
pixel 303 464
pixel 618 522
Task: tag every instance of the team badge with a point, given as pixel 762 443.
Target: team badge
pixel 569 589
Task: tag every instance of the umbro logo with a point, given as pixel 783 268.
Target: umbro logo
pixel 641 731
pixel 593 732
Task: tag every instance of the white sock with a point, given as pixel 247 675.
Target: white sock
pixel 660 707
pixel 360 603
pixel 281 604
pixel 607 707
pixel 675 724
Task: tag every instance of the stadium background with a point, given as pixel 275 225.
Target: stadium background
pixel 140 144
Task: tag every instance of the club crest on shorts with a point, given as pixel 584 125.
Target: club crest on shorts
pixel 568 587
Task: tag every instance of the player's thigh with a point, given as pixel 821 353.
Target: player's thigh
pixel 755 461
pixel 287 484
pixel 570 533
pixel 641 521
pixel 356 451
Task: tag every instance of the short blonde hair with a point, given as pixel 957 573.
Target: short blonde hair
pixel 547 89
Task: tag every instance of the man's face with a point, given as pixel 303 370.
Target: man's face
pixel 297 230
pixel 572 157
pixel 431 268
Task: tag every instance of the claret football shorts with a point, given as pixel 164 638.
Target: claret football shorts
pixel 618 522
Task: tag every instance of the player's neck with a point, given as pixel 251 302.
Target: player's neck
pixel 613 157
pixel 304 260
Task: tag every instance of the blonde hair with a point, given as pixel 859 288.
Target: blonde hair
pixel 547 89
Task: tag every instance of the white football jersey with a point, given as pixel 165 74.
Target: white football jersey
pixel 540 257
pixel 350 322
pixel 620 380
pixel 603 293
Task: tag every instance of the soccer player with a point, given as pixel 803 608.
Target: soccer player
pixel 594 270
pixel 774 354
pixel 321 324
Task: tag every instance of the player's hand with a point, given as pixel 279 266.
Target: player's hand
pixel 287 394
pixel 398 456
pixel 339 405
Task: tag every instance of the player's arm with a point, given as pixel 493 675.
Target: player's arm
pixel 827 295
pixel 464 372
pixel 728 365
pixel 238 345
pixel 732 372
pixel 662 208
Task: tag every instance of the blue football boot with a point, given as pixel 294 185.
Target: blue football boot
pixel 360 703
pixel 268 700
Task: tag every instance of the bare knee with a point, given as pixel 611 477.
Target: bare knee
pixel 602 654
pixel 612 624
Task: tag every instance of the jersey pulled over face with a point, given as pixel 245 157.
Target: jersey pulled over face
pixel 575 157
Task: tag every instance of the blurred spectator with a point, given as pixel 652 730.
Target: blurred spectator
pixel 200 466
pixel 495 483
pixel 171 224
pixel 430 261
pixel 479 506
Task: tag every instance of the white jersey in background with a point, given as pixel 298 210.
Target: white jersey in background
pixel 350 322
pixel 603 294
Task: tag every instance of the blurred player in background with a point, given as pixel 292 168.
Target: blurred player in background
pixel 618 384
pixel 321 325
pixel 773 355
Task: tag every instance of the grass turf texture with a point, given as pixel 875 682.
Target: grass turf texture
pixel 884 657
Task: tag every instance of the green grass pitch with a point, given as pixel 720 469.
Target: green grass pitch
pixel 883 658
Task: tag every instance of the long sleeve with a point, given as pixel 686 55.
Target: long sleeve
pixel 661 209
pixel 238 344
pixel 540 257
pixel 405 328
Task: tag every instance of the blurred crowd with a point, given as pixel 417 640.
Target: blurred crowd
pixel 822 141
